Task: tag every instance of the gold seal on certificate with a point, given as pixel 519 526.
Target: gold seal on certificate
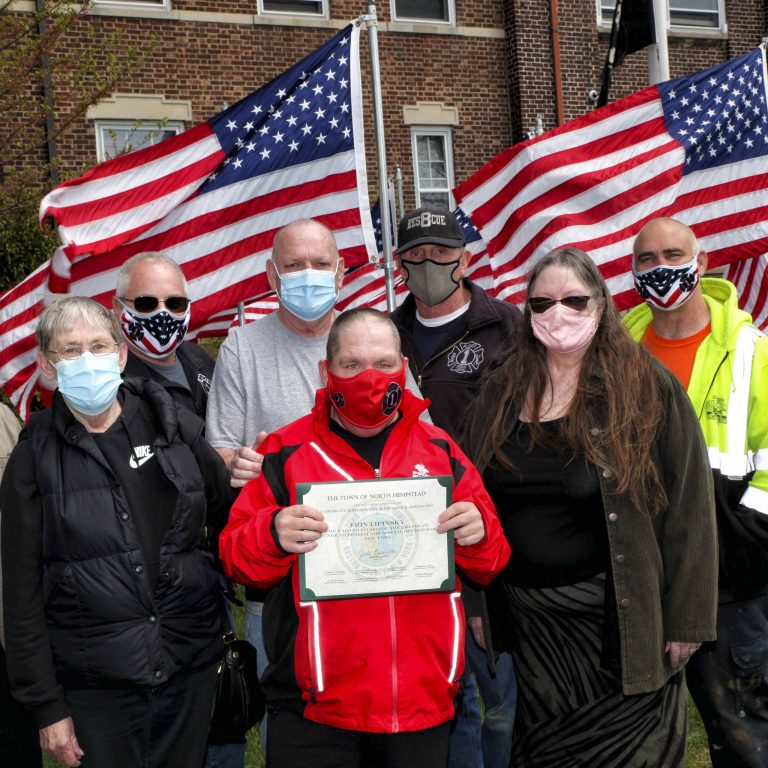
pixel 381 538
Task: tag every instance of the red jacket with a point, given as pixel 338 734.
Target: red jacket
pixel 375 664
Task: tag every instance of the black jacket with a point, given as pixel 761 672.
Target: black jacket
pixel 451 379
pixel 79 607
pixel 197 365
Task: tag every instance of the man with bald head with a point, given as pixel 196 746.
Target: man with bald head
pixel 266 372
pixel 694 326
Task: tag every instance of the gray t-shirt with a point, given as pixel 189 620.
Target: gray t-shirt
pixel 266 377
pixel 173 372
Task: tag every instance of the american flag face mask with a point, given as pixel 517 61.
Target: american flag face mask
pixel 668 288
pixel 155 334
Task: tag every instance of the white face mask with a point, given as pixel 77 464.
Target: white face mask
pixel 667 288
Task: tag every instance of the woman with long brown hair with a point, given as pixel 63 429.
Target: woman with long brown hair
pixel 594 458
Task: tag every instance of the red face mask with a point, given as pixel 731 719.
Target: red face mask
pixel 369 398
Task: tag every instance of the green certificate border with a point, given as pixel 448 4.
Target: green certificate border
pixel 448 585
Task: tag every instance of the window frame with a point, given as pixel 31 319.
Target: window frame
pixel 324 14
pixel 604 22
pixel 451 22
pixel 115 123
pixel 447 134
pixel 152 5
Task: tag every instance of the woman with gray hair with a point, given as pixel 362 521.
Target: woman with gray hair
pixel 112 606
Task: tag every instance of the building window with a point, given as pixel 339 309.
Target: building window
pixel 157 5
pixel 116 137
pixel 693 14
pixel 423 10
pixel 294 7
pixel 433 166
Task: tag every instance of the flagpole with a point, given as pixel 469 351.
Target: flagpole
pixel 371 23
pixel 602 100
pixel 658 53
pixel 400 199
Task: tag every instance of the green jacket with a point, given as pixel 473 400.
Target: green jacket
pixel 729 392
pixel 664 566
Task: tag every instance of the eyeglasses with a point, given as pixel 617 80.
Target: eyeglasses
pixel 540 304
pixel 99 349
pixel 175 304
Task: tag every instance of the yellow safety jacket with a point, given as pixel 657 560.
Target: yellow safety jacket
pixel 729 391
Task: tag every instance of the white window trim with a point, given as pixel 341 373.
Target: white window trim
pixel 410 20
pixel 433 130
pixel 122 123
pixel 325 14
pixel 676 30
pixel 165 5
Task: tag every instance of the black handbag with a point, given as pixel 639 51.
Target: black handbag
pixel 239 702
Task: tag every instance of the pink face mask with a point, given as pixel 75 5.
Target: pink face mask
pixel 564 330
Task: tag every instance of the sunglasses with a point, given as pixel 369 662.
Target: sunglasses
pixel 175 304
pixel 540 304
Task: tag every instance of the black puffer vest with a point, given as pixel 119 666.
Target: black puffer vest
pixel 107 624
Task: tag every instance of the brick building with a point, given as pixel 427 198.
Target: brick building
pixel 462 79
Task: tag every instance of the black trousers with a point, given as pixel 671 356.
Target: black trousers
pixel 19 738
pixel 163 727
pixel 295 742
pixel 728 681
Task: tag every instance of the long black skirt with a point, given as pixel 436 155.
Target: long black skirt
pixel 570 710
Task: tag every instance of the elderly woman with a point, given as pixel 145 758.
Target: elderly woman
pixel 112 605
pixel 593 456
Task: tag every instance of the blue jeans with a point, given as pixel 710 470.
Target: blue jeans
pixel 464 749
pixel 499 695
pixel 225 755
pixel 254 634
pixel 728 681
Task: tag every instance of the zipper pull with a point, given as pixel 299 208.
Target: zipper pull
pixel 418 382
pixel 378 473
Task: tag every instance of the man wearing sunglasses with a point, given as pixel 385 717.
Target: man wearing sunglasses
pixel 153 309
pixel 693 324
pixel 451 330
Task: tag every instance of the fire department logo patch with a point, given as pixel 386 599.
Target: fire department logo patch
pixel 391 399
pixel 466 357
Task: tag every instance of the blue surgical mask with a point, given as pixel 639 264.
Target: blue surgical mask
pixel 89 383
pixel 308 294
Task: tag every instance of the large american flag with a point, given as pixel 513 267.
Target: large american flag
pixel 694 148
pixel 211 198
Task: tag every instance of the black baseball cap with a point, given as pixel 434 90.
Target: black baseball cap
pixel 437 226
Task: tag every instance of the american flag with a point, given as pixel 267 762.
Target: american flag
pixel 693 148
pixel 751 281
pixel 212 199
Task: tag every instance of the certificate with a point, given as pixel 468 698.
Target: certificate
pixel 381 538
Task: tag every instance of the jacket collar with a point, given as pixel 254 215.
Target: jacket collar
pixel 131 390
pixel 725 316
pixel 411 409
